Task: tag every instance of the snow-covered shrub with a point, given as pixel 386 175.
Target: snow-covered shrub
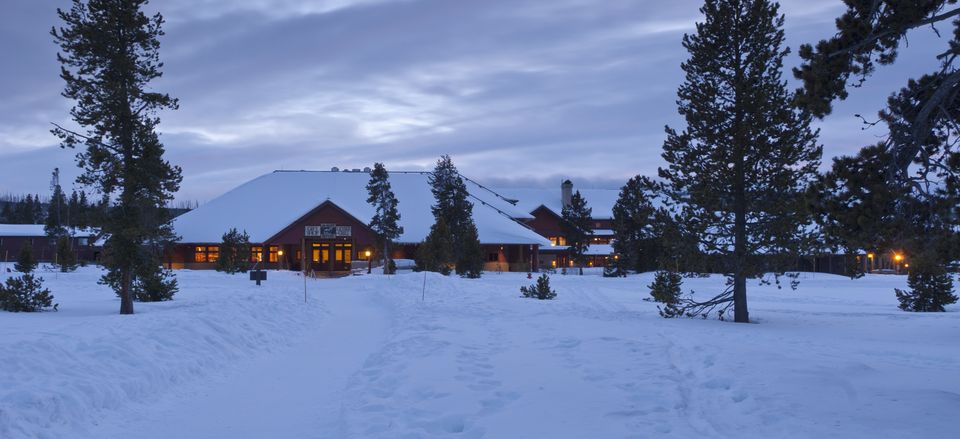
pixel 541 290
pixel 665 289
pixel 25 293
pixel 931 288
pixel 614 270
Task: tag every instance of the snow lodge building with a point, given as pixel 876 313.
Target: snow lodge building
pixel 316 221
pixel 13 237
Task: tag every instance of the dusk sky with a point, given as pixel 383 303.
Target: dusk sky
pixel 519 92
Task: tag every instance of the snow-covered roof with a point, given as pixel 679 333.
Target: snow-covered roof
pixel 529 199
pixel 267 204
pixel 35 230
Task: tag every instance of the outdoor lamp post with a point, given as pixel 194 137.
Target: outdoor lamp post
pixel 870 257
pixel 898 258
pixel 369 261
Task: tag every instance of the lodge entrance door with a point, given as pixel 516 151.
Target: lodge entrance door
pixel 330 255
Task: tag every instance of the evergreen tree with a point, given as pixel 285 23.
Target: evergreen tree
pixel 540 290
pixel 234 252
pixel 436 251
pixel 931 288
pixel 665 290
pixel 575 223
pixel 25 293
pixel 82 215
pixel 73 210
pixel 633 222
pixel 739 170
pixel 452 205
pixel 110 55
pixel 386 216
pixel 470 262
pixel 56 209
pixel 7 213
pixel 38 215
pixel 66 259
pixel 25 260
pixel 150 283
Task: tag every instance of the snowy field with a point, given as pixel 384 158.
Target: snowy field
pixel 365 357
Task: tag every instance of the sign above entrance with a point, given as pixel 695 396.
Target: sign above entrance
pixel 328 231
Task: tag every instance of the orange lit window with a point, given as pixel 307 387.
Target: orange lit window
pixel 272 253
pixel 558 240
pixel 256 254
pixel 206 253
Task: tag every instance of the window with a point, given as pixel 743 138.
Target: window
pixel 272 253
pixel 558 240
pixel 206 253
pixel 256 254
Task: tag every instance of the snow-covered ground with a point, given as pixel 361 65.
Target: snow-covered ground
pixel 366 357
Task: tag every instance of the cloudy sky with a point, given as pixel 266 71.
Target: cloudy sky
pixel 519 92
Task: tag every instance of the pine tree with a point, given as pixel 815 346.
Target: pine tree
pixel 740 168
pixel 110 56
pixel 73 210
pixel 66 259
pixel 452 205
pixel 931 288
pixel 25 260
pixel 7 213
pixel 633 222
pixel 234 252
pixel 82 215
pixel 54 225
pixel 436 251
pixel 470 262
pixel 665 290
pixel 575 221
pixel 540 290
pixel 386 216
pixel 25 293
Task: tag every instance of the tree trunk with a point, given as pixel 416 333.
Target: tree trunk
pixel 126 296
pixel 385 269
pixel 740 314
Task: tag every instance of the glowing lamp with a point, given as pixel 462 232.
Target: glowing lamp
pixel 367 253
pixel 280 252
pixel 870 255
pixel 898 257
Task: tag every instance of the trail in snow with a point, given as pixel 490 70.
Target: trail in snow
pixel 296 392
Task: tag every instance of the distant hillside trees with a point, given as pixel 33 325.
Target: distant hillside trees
pixel 23 210
pixel 575 222
pixel 109 58
pixel 386 217
pixel 739 170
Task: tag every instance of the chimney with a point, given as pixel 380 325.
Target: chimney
pixel 566 192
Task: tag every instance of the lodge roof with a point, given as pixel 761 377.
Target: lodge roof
pixel 36 230
pixel 529 199
pixel 269 203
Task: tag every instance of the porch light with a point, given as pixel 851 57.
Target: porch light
pixel 280 252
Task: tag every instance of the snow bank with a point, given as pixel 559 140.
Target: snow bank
pixel 61 371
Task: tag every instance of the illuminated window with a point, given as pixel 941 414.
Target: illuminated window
pixel 206 253
pixel 256 254
pixel 558 240
pixel 347 253
pixel 272 253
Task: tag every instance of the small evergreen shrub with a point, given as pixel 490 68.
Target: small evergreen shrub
pixel 234 252
pixel 931 288
pixel 614 271
pixel 470 262
pixel 25 293
pixel 391 266
pixel 25 260
pixel 665 290
pixel 541 290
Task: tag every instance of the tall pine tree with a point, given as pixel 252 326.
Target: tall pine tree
pixel 575 224
pixel 452 205
pixel 739 170
pixel 110 56
pixel 386 216
pixel 633 222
